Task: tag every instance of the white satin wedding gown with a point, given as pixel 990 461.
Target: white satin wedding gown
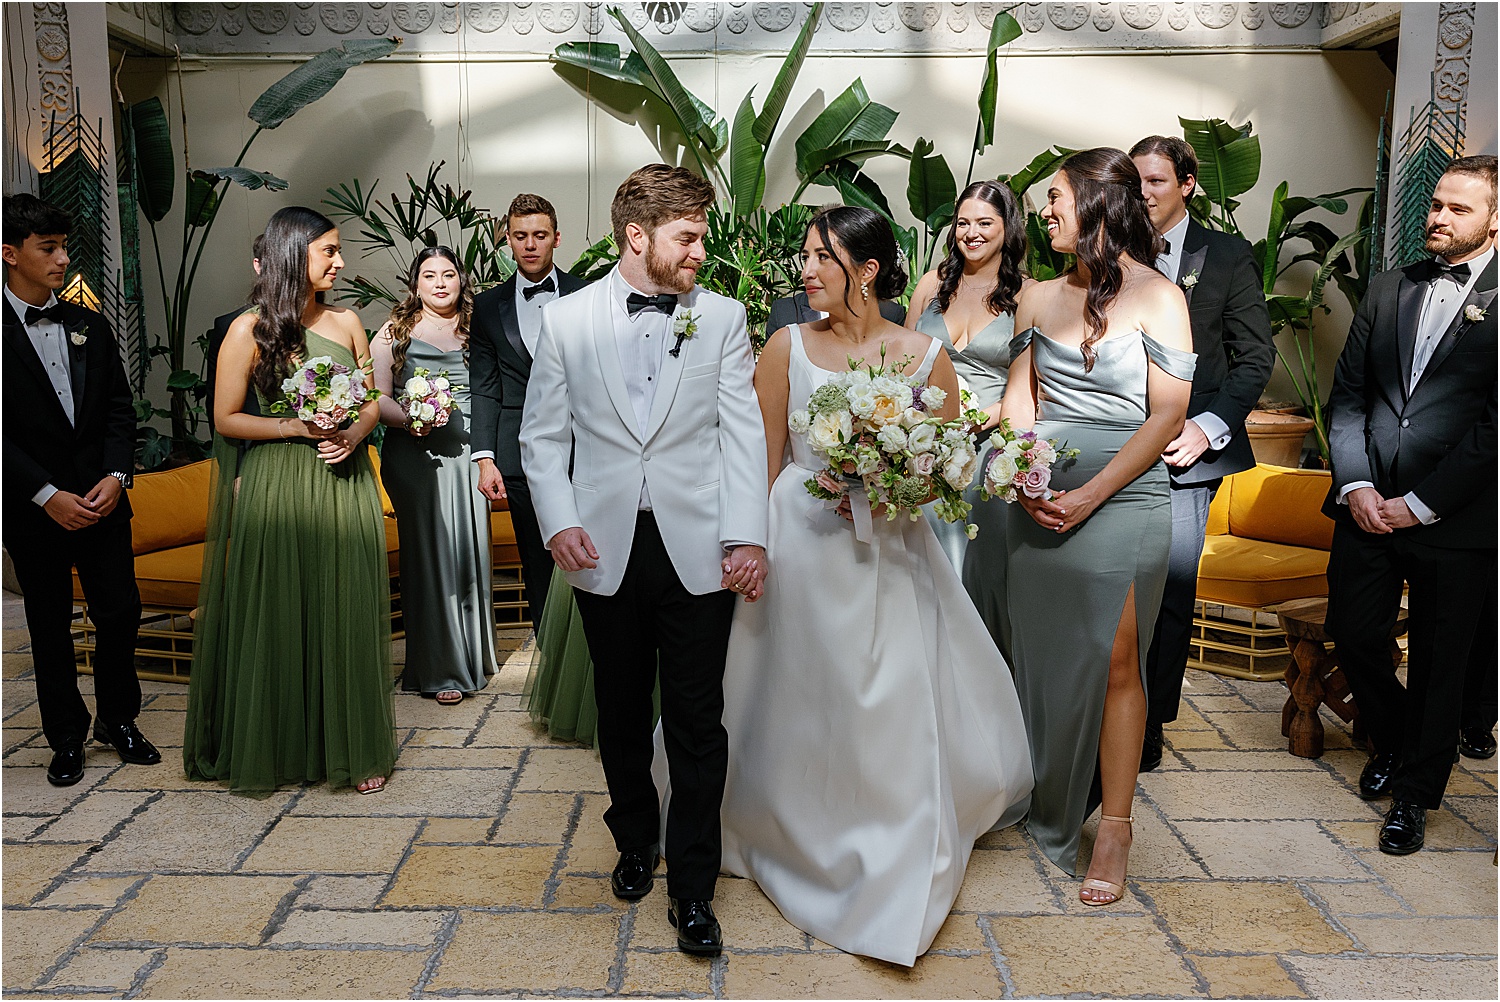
pixel 874 730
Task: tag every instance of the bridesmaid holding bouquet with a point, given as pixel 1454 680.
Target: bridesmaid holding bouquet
pixel 291 649
pixel 422 370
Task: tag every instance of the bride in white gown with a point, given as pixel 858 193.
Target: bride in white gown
pixel 874 731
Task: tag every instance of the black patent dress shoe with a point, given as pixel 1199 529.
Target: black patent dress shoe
pixel 1405 828
pixel 631 878
pixel 1375 781
pixel 1151 748
pixel 1476 742
pixel 128 741
pixel 67 766
pixel 698 930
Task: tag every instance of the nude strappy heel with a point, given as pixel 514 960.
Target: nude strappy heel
pixel 1109 887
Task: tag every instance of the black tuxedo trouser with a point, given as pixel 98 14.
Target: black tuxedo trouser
pixel 1167 657
pixel 44 562
pixel 1481 705
pixel 1447 591
pixel 651 621
pixel 536 560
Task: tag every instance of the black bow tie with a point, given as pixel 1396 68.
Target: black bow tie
pixel 1166 246
pixel 664 303
pixel 36 314
pixel 532 291
pixel 1459 273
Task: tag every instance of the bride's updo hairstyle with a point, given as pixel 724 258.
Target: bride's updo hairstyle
pixel 1112 221
pixel 282 293
pixel 863 235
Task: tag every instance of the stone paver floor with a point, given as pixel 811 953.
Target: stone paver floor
pixel 483 870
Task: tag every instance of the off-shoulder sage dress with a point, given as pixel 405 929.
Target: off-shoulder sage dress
pixel 983 367
pixel 1069 590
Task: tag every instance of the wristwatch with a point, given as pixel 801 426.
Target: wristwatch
pixel 123 478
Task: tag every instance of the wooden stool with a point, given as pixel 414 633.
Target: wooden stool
pixel 1314 676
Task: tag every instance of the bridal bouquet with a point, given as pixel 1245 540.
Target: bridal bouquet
pixel 323 391
pixel 873 426
pixel 426 399
pixel 1021 463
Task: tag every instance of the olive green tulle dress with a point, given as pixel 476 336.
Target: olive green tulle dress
pixel 291 678
pixel 559 689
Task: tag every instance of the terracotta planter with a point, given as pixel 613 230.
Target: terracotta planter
pixel 1276 439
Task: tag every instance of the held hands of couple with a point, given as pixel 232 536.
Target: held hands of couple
pixel 73 512
pixel 745 571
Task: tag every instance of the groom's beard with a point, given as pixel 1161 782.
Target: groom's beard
pixel 664 273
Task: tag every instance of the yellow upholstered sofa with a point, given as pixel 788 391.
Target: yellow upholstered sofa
pixel 1267 543
pixel 170 520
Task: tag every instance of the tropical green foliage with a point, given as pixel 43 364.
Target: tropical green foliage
pixel 147 140
pixel 1232 169
pixel 432 213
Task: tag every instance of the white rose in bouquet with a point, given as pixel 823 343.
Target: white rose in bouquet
pixel 798 422
pixel 912 417
pixel 427 412
pixel 933 397
pixel 417 386
pixel 862 401
pixel 892 438
pixel 440 383
pixel 922 438
pixel 827 430
pixel 1001 472
pixel 339 384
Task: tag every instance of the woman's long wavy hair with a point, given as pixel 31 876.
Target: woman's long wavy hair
pixel 407 312
pixel 1002 299
pixel 282 292
pixel 1112 221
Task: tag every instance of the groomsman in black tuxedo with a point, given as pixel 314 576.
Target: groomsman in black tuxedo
pixel 69 431
pixel 506 324
pixel 1232 337
pixel 216 339
pixel 1412 430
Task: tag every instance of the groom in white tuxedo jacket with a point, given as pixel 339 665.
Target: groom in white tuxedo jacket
pixel 644 448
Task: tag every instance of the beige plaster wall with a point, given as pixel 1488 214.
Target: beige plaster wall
pixel 514 125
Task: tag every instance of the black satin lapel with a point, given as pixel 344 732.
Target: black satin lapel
pixel 19 342
pixel 1408 315
pixel 510 322
pixel 1456 330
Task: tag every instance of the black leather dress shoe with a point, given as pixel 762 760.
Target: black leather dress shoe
pixel 1375 781
pixel 1151 748
pixel 1405 828
pixel 697 929
pixel 1476 742
pixel 128 741
pixel 631 878
pixel 67 766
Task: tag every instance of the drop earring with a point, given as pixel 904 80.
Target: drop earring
pixel 864 291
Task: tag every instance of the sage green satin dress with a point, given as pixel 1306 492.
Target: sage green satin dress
pixel 983 366
pixel 1068 590
pixel 446 601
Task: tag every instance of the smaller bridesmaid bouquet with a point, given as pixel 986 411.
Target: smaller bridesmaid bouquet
pixel 1021 463
pixel 325 392
pixel 426 399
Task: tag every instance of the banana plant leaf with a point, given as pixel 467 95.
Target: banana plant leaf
pixel 604 59
pixel 781 88
pixel 1228 156
pixel 930 187
pixel 242 176
pixel 1333 262
pixel 747 160
pixel 314 78
pixel 1270 248
pixel 1043 165
pixel 1293 311
pixel 1004 31
pixel 854 151
pixel 156 169
pixel 857 188
pixel 202 201
pixel 851 115
pixel 696 118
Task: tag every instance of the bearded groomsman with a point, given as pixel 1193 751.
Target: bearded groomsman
pixel 1412 428
pixel 69 452
pixel 1232 337
pixel 644 445
pixel 507 322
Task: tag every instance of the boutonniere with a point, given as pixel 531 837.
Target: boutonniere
pixel 1474 313
pixel 684 325
pixel 80 337
pixel 1190 279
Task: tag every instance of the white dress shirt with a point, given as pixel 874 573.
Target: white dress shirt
pixel 529 311
pixel 1440 305
pixel 1169 262
pixel 51 343
pixel 641 341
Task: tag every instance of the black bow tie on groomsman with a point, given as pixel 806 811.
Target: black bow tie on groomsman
pixel 36 314
pixel 1458 273
pixel 664 303
pixel 532 291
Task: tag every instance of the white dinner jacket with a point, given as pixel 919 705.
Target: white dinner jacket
pixel 702 455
